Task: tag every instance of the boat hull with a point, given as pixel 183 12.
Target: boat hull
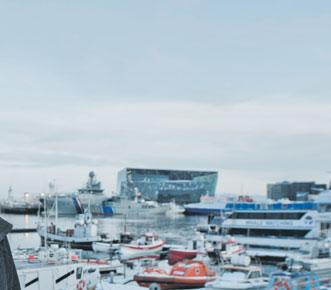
pixel 176 255
pixel 17 210
pixel 86 246
pixel 166 282
pixel 128 252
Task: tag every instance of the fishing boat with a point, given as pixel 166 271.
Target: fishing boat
pixel 240 274
pixel 148 245
pixel 183 275
pixel 112 246
pixel 82 236
pixel 22 206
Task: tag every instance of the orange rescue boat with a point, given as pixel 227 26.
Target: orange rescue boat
pixel 183 275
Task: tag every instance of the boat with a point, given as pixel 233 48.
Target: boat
pixel 103 285
pixel 270 230
pixel 90 196
pixel 224 249
pixel 240 274
pixel 175 209
pixel 59 268
pixel 179 254
pixel 24 206
pixel 308 267
pixel 82 236
pixel 146 246
pixel 137 207
pixel 207 206
pixel 56 269
pixel 183 275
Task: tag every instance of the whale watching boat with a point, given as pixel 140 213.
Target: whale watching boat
pixel 271 230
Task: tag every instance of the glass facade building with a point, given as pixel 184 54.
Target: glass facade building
pixel 183 186
pixel 293 190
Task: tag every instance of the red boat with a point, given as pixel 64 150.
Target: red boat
pixel 183 275
pixel 177 255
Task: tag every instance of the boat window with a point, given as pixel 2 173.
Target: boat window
pixel 255 274
pixel 91 270
pixel 197 271
pixel 267 215
pixel 79 272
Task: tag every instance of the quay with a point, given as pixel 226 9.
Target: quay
pixel 23 230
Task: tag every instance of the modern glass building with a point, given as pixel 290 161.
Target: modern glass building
pixel 183 186
pixel 294 190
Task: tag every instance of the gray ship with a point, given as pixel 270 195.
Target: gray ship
pixel 90 197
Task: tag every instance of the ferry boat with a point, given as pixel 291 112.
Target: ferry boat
pixel 270 230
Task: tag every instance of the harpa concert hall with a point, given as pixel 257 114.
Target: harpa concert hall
pixel 183 186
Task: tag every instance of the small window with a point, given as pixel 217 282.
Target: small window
pixel 79 272
pixel 254 275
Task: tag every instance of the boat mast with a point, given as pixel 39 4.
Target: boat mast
pixel 45 213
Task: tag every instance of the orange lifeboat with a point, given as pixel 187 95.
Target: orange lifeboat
pixel 183 275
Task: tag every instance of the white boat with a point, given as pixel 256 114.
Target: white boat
pixel 55 269
pixel 239 275
pixel 272 230
pixel 305 269
pixel 104 285
pixel 137 208
pixel 147 245
pixel 175 209
pixel 224 249
pixel 82 236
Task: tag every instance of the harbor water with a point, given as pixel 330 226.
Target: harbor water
pixel 174 230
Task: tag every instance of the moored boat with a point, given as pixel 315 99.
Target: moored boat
pixel 148 245
pixel 183 275
pixel 239 275
pixel 179 254
pixel 82 236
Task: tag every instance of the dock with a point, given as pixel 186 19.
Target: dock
pixel 23 230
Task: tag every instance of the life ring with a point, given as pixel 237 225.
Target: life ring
pixel 80 285
pixel 281 285
pixel 155 286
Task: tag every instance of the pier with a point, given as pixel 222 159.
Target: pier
pixel 23 230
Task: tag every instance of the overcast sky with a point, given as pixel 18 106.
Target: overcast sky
pixel 242 87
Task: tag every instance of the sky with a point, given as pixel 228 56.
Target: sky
pixel 241 87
